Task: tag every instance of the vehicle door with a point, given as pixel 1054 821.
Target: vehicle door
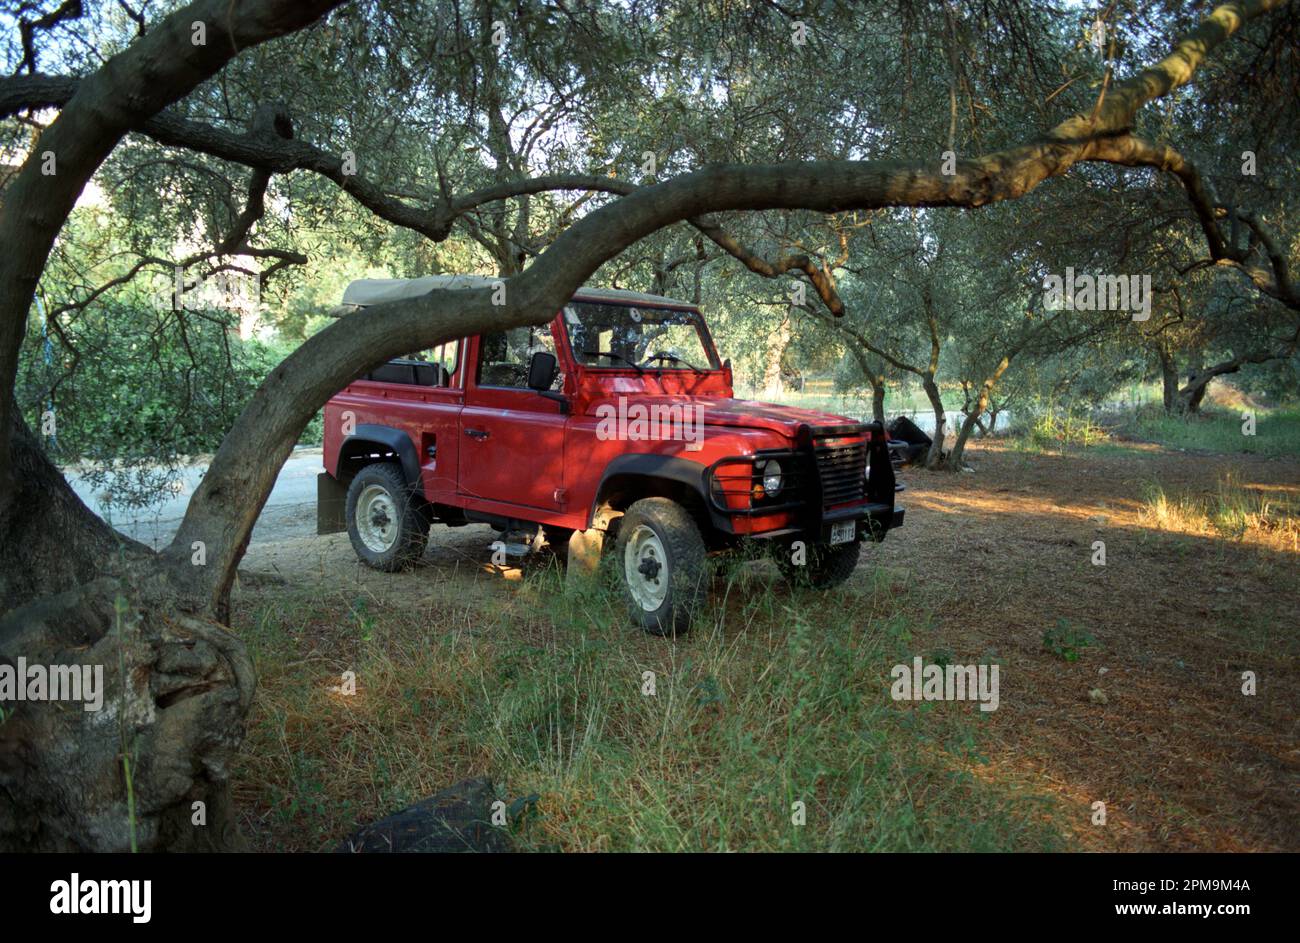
pixel 512 438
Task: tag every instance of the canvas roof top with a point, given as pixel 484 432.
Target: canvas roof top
pixel 373 291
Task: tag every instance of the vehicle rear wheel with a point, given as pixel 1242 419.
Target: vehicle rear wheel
pixel 387 530
pixel 661 562
pixel 825 566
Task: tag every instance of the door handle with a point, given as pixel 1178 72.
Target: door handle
pixel 479 434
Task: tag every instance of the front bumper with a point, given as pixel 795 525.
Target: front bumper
pixel 799 512
pixel 873 521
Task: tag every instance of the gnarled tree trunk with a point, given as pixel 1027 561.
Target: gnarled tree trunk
pixel 148 768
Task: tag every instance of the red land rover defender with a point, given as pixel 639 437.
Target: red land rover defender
pixel 611 430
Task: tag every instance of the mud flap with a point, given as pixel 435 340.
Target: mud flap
pixel 331 504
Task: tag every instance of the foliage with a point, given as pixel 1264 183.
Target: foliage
pixel 1042 426
pixel 1276 432
pixel 427 104
pixel 137 389
pixel 1066 641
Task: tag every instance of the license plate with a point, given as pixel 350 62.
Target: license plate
pixel 843 531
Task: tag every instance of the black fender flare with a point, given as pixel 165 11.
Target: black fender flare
pixel 666 467
pixel 398 442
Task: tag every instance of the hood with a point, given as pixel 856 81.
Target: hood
pixel 742 413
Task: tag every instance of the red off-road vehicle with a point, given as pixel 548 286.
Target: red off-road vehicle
pixel 611 430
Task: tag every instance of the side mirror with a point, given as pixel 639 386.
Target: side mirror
pixel 542 367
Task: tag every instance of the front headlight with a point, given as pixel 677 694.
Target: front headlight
pixel 769 473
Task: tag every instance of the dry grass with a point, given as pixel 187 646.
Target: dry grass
pixel 1268 517
pixel 775 698
pixel 781 695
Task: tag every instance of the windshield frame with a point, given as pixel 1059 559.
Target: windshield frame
pixel 713 362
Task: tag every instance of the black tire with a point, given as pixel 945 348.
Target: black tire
pixel 826 566
pixel 685 582
pixel 392 514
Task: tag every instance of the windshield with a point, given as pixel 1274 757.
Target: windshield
pixel 622 336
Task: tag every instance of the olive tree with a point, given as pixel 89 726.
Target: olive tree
pixel 179 682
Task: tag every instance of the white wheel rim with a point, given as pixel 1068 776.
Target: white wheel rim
pixel 645 568
pixel 377 518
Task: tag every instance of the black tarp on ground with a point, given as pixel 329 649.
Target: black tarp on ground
pixel 456 819
pixel 917 442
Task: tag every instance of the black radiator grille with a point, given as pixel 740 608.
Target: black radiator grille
pixel 842 469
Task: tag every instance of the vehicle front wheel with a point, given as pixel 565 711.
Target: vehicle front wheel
pixel 661 563
pixel 821 566
pixel 388 531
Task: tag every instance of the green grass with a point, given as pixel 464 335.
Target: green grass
pixel 1070 428
pixel 777 697
pixel 1055 430
pixel 1277 432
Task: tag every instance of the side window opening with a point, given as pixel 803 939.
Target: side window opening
pixel 504 356
pixel 433 366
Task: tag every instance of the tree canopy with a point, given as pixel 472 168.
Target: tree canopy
pixel 875 190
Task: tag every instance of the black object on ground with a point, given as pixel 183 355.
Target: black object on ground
pixel 456 819
pixel 916 442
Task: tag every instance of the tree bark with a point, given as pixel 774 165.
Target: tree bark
pixel 959 447
pixel 1191 396
pixel 877 381
pixel 147 769
pixel 972 416
pixel 1168 378
pixel 1200 376
pixel 176 688
pixel 934 458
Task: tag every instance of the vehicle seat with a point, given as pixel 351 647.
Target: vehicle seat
pixel 503 374
pixel 431 374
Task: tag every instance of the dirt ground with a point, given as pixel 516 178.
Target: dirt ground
pixel 1150 719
